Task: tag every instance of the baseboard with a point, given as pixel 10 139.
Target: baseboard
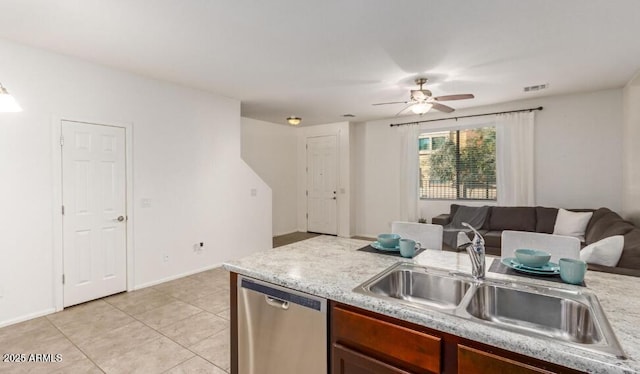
pixel 174 277
pixel 373 236
pixel 285 233
pixel 27 317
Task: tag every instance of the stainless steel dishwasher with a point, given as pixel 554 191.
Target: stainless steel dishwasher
pixel 280 330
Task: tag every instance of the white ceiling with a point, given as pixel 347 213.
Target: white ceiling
pixel 322 59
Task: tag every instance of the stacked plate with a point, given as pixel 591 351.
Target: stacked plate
pixel 380 247
pixel 387 242
pixel 550 268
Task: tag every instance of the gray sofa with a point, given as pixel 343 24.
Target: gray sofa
pixel 603 223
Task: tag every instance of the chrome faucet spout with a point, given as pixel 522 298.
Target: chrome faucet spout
pixel 476 252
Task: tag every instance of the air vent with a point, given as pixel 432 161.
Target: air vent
pixel 348 115
pixel 536 88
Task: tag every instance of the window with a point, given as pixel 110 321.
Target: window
pixel 458 165
pixel 424 144
pixel 438 142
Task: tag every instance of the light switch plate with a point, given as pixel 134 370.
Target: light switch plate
pixel 145 203
pixel 254 192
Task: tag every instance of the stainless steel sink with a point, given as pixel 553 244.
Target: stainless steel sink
pixel 416 286
pixel 571 317
pixel 557 317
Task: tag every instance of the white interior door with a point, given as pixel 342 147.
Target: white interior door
pixel 322 181
pixel 94 211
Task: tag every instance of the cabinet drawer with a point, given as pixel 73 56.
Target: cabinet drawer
pixel 347 361
pixel 471 360
pixel 390 342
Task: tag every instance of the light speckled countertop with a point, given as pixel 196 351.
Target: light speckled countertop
pixel 331 267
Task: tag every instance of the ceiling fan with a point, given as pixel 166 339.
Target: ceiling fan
pixel 421 100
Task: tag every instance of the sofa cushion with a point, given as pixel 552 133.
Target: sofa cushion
pixel 545 219
pixel 513 218
pixel 630 258
pixel 487 220
pixel 599 214
pixel 453 209
pixel 605 252
pixel 493 238
pixel 606 223
pixel 572 223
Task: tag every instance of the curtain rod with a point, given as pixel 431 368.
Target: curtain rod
pixel 471 115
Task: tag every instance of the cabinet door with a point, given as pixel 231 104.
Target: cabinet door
pixel 471 361
pixel 346 361
pixel 402 346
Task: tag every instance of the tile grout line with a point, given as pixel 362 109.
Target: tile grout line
pixel 214 281
pixel 187 348
pixel 75 345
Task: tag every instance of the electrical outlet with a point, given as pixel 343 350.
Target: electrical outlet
pixel 166 258
pixel 254 192
pixel 198 247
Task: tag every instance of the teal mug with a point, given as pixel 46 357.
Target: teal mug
pixel 572 271
pixel 408 247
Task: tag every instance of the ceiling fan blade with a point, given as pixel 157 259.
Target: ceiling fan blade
pixel 442 108
pixel 403 109
pixel 454 97
pixel 393 102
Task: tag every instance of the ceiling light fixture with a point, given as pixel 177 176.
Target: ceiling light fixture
pixel 421 108
pixel 294 121
pixel 7 102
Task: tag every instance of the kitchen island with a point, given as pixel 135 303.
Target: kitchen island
pixel 331 268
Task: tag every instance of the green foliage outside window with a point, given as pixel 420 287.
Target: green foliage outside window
pixel 463 166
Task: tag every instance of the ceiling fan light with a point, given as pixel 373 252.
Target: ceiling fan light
pixel 421 108
pixel 294 121
pixel 420 95
pixel 7 102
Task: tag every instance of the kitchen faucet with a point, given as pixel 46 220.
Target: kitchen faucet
pixel 476 251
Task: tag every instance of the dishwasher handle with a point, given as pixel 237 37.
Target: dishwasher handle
pixel 276 303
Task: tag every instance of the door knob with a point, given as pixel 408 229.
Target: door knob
pixel 120 219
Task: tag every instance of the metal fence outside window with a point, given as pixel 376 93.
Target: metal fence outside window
pixel 430 189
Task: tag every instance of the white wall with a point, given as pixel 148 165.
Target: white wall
pixel 578 157
pixel 186 160
pixel 631 160
pixel 341 130
pixel 271 151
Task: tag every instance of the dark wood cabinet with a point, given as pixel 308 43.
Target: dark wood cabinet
pixel 347 361
pixel 400 347
pixel 367 342
pixel 475 361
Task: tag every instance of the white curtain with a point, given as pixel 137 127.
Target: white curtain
pixel 409 173
pixel 515 159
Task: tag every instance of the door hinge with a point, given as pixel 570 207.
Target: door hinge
pixel 62 278
pixel 61 140
pixel 307 215
pixel 63 210
pixel 307 192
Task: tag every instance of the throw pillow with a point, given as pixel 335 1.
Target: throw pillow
pixel 605 252
pixel 572 223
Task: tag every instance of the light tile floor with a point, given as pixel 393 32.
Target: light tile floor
pixel 180 326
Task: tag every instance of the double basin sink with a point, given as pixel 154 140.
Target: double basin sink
pixel 571 317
